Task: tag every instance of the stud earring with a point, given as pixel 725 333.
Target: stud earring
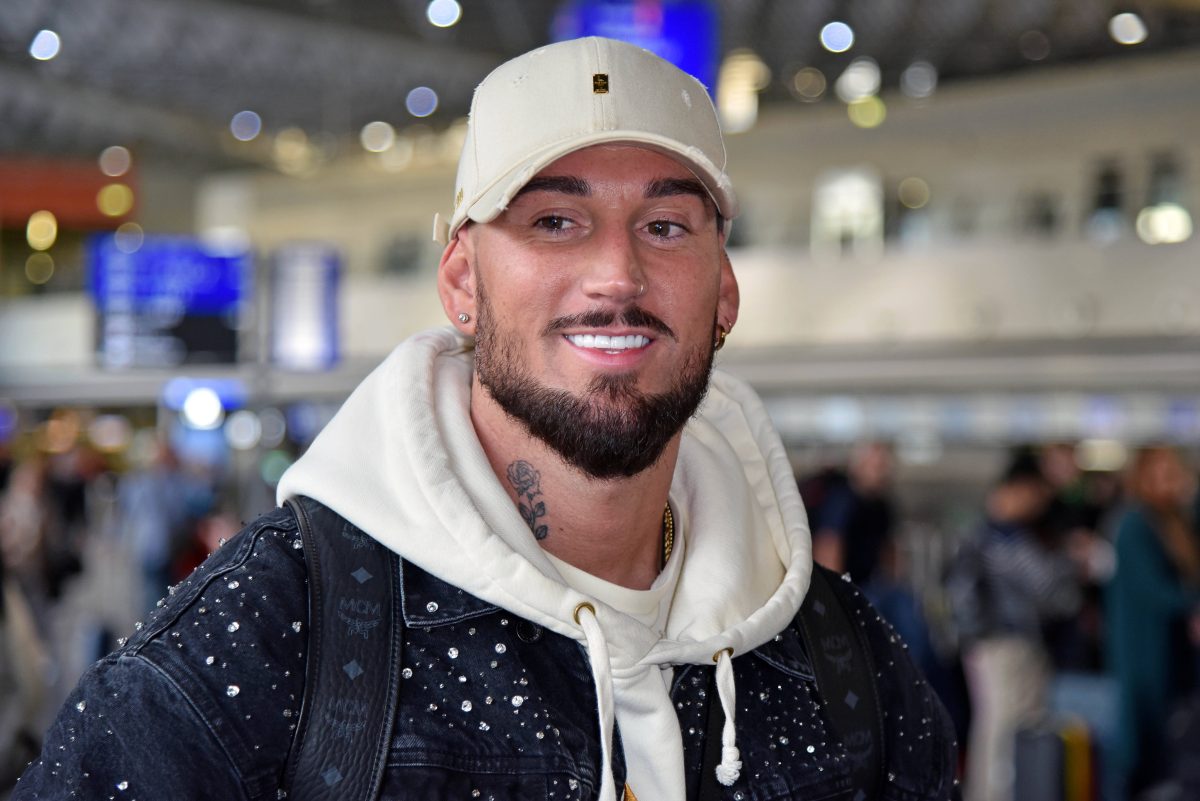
pixel 721 334
pixel 463 317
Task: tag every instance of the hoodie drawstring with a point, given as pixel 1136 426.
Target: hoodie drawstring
pixel 597 649
pixel 731 765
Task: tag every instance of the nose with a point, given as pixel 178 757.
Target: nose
pixel 613 270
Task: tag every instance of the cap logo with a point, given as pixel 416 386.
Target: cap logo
pixel 600 83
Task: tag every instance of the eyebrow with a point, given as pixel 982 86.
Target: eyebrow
pixel 666 187
pixel 563 184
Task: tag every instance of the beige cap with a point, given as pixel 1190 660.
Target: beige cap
pixel 567 96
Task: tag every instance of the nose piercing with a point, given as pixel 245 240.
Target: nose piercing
pixel 641 290
pixel 463 317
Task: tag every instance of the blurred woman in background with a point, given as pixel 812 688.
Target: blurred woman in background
pixel 1150 601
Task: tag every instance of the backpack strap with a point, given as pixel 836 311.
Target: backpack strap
pixel 352 668
pixel 845 673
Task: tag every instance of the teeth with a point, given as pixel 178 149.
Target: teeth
pixel 604 342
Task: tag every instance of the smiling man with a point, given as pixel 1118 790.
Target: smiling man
pixel 599 554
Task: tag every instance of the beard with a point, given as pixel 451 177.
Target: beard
pixel 613 429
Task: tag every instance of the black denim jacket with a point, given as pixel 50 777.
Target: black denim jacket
pixel 202 701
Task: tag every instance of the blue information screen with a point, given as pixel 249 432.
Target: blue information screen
pixel 683 32
pixel 166 301
pixel 166 271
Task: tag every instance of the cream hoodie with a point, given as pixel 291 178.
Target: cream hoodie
pixel 401 461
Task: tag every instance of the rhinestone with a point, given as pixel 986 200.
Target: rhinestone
pixel 501 647
pixel 517 700
pixel 466 706
pixel 406 673
pixel 296 626
pixel 452 653
pixel 232 627
pixel 431 607
pixel 232 690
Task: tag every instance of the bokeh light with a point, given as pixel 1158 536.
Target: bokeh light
pixel 202 409
pixel 1164 224
pixel 46 45
pixel 245 125
pixel 274 427
pixel 115 200
pixel 1127 29
pixel 869 112
pixel 377 136
pixel 274 464
pixel 110 433
pixel 1034 45
pixel 919 79
pixel 42 230
pixel 421 102
pixel 443 13
pixel 861 79
pixel 129 237
pixel 115 161
pixel 837 37
pixel 808 84
pixel 243 430
pixel 39 268
pixel 913 192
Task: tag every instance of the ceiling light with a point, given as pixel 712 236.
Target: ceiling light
pixel 869 112
pixel 861 79
pixel 245 125
pixel 421 102
pixel 41 230
pixel 443 13
pixel 377 136
pixel 919 80
pixel 202 409
pixel 115 161
pixel 45 45
pixel 837 37
pixel 808 84
pixel 1164 224
pixel 1127 29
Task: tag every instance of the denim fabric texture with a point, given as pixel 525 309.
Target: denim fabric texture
pixel 202 701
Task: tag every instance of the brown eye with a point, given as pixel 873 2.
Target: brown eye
pixel 664 229
pixel 552 222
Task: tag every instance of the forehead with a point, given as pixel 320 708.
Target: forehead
pixel 617 164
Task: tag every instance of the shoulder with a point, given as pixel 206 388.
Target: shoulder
pixel 215 675
pixel 920 751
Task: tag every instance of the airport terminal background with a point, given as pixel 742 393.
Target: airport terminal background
pixel 967 239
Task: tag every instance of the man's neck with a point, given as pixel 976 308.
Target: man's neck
pixel 611 528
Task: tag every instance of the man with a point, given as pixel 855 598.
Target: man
pixel 856 520
pixel 1005 586
pixel 578 549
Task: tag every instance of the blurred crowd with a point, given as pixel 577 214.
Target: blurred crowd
pixel 1061 626
pixel 1064 632
pixel 89 542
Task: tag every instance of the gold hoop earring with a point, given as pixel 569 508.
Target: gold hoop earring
pixel 721 334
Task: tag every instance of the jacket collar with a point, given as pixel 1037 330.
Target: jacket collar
pixel 427 601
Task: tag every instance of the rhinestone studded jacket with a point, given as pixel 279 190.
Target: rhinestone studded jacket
pixel 201 702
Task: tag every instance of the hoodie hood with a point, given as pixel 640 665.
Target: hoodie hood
pixel 401 461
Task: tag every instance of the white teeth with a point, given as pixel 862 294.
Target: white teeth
pixel 605 342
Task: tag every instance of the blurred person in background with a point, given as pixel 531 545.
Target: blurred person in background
pixel 1150 604
pixel 158 507
pixel 856 516
pixel 23 688
pixel 1005 585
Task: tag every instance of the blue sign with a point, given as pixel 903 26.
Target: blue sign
pixel 683 32
pixel 166 272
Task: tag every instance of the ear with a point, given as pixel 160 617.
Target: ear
pixel 729 297
pixel 456 282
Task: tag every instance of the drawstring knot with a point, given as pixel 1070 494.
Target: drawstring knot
pixel 731 764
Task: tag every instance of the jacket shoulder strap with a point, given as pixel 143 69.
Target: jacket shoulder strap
pixel 352 668
pixel 845 673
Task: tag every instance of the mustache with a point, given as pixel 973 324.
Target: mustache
pixel 633 316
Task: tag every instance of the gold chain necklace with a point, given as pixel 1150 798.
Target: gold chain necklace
pixel 668 528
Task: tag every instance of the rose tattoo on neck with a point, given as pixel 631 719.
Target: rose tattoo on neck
pixel 527 483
